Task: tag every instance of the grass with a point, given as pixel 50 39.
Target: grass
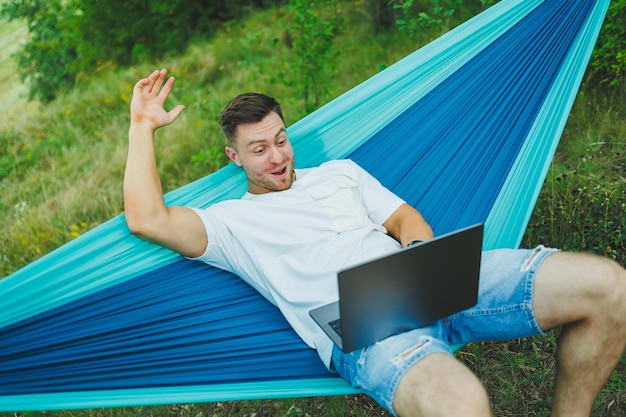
pixel 583 202
pixel 12 36
pixel 61 169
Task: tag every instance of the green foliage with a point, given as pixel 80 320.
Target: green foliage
pixel 77 39
pixel 125 30
pixel 312 29
pixel 608 62
pixel 383 16
pixel 486 3
pixel 418 19
pixel 51 49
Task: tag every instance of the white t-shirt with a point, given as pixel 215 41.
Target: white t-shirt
pixel 290 244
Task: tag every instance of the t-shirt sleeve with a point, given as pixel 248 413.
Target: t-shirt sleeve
pixel 219 239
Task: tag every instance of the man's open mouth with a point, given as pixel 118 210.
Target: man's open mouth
pixel 281 172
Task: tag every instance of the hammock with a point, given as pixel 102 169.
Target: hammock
pixel 464 129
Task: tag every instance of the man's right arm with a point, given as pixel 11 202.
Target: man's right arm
pixel 177 228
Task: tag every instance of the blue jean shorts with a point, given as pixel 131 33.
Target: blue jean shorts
pixel 504 311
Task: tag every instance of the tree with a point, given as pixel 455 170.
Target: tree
pixel 312 35
pixel 74 38
pixel 44 60
pixel 382 14
pixel 608 61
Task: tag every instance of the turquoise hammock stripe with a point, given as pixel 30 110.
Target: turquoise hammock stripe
pixel 108 320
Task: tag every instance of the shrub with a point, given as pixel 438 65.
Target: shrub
pixel 77 38
pixel 609 57
pixel 44 60
pixel 312 33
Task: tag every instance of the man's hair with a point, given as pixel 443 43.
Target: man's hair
pixel 246 108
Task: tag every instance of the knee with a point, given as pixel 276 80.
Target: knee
pixel 474 399
pixel 619 291
pixel 574 287
pixel 441 386
pixel 613 278
pixel 609 294
pixel 468 399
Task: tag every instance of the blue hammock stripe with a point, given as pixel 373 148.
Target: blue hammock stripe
pixel 120 330
pixel 464 129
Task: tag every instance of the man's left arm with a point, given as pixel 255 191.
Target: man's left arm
pixel 406 225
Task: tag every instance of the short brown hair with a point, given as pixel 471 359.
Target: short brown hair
pixel 246 108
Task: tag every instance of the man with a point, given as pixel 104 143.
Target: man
pixel 294 229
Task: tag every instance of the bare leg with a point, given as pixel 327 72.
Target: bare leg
pixel 587 296
pixel 440 385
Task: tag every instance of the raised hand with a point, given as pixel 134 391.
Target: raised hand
pixel 147 105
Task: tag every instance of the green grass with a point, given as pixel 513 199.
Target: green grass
pixel 12 36
pixel 61 170
pixel 583 202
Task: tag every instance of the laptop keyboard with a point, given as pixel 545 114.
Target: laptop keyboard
pixel 336 326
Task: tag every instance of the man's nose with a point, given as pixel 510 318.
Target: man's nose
pixel 276 156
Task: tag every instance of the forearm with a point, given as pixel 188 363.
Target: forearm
pixel 414 229
pixel 407 224
pixel 143 194
pixel 177 228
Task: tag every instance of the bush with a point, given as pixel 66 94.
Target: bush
pixel 44 60
pixel 78 38
pixel 609 57
pixel 312 33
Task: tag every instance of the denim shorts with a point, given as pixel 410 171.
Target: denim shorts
pixel 504 311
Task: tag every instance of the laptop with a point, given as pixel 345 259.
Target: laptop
pixel 403 291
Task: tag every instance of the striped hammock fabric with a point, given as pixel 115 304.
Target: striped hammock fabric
pixel 464 129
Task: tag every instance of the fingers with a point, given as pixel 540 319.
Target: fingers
pixel 175 112
pixel 149 96
pixel 141 83
pixel 153 83
pixel 157 78
pixel 165 91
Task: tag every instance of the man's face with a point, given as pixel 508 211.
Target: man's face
pixel 265 154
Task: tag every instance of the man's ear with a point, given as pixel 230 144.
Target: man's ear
pixel 230 152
